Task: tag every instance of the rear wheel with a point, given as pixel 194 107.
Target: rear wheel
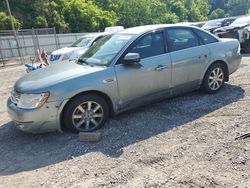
pixel 214 78
pixel 246 48
pixel 85 113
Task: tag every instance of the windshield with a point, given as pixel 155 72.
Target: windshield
pixel 240 21
pixel 105 49
pixel 213 23
pixel 227 22
pixel 82 42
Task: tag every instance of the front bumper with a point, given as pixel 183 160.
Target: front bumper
pixel 38 120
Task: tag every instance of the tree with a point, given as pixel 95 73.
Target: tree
pixel 238 7
pixel 134 12
pixel 218 13
pixel 95 15
pixel 197 10
pixel 178 8
pixel 230 7
pixel 5 23
pixel 82 15
pixel 54 17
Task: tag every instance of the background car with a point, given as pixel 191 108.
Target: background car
pixel 122 71
pixel 228 21
pixel 211 25
pixel 76 49
pixel 80 46
pixel 239 29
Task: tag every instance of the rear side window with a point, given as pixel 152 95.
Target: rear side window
pixel 150 45
pixel 181 38
pixel 205 37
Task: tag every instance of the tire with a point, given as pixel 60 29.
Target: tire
pixel 214 78
pixel 246 48
pixel 85 113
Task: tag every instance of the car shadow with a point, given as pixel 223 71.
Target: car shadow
pixel 21 151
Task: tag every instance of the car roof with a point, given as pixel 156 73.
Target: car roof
pixel 142 29
pixel 94 35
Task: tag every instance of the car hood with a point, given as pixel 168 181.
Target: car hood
pixel 231 27
pixel 68 50
pixel 51 75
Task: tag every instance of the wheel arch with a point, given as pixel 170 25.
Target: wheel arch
pixel 222 63
pixel 99 93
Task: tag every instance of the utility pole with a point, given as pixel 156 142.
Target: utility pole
pixel 14 30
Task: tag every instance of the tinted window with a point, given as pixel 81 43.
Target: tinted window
pixel 149 45
pixel 179 39
pixel 205 37
pixel 227 22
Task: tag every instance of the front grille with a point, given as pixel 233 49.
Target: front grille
pixel 54 57
pixel 15 97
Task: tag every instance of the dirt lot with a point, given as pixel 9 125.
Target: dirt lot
pixel 188 141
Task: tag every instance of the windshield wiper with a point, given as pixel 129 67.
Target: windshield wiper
pixel 82 61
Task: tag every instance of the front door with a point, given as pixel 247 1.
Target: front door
pixel 152 79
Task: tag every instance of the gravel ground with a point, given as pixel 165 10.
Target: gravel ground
pixel 188 141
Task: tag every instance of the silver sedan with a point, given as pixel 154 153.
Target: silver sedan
pixel 122 71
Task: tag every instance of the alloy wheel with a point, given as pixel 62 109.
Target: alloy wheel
pixel 87 116
pixel 216 79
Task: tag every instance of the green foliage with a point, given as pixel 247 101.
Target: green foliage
pixel 134 12
pixel 82 15
pixel 218 13
pixel 197 10
pixel 95 15
pixel 52 12
pixel 5 23
pixel 230 7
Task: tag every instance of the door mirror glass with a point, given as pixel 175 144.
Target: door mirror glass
pixel 131 58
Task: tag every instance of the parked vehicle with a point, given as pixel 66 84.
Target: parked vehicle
pixel 211 25
pixel 228 21
pixel 239 29
pixel 76 49
pixel 122 71
pixel 79 47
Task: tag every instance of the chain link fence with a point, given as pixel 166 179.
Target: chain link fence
pixel 20 49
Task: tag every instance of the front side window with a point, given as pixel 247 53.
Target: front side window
pixel 105 49
pixel 179 39
pixel 205 37
pixel 149 45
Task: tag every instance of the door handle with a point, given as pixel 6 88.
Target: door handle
pixel 161 67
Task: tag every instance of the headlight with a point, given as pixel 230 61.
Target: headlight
pixel 32 101
pixel 66 56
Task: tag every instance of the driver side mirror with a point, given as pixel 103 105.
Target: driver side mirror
pixel 132 59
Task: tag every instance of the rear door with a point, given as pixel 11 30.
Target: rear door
pixel 153 78
pixel 188 57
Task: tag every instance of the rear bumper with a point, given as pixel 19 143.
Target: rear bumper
pixel 235 64
pixel 39 120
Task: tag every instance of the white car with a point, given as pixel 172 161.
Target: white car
pixel 76 49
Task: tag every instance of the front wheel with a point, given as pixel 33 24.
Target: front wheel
pixel 214 78
pixel 85 113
